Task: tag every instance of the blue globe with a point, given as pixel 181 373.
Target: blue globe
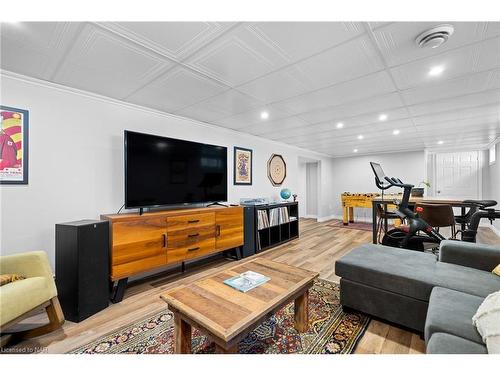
pixel 285 193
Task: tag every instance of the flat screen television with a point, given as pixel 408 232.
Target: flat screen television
pixel 162 171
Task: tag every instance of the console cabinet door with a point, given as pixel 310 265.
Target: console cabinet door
pixel 138 245
pixel 229 228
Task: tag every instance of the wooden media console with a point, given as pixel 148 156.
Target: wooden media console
pixel 141 243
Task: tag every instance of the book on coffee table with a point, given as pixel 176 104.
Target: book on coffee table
pixel 246 281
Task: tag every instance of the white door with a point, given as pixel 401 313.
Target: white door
pixel 457 175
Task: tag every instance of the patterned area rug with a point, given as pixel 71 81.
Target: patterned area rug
pixel 331 331
pixel 358 225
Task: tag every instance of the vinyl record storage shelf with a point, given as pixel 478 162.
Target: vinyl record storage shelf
pixel 276 233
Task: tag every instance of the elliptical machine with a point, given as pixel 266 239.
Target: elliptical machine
pixel 418 233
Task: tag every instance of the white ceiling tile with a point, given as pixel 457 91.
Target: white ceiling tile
pixel 358 89
pixel 174 39
pixel 103 63
pixel 350 60
pixel 202 113
pixel 379 103
pixel 237 57
pixel 328 132
pixel 177 89
pixel 282 125
pixel 297 40
pixel 230 103
pixel 35 48
pixel 462 61
pixel 397 40
pixel 457 114
pixel 276 86
pixel 246 120
pixel 459 102
pixel 452 88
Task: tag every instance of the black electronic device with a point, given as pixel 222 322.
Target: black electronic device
pixel 82 267
pixel 162 171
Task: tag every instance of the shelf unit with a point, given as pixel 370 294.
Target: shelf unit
pixel 257 240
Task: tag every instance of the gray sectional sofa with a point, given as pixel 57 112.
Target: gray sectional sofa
pixel 436 297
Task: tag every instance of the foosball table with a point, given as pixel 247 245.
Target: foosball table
pixel 359 200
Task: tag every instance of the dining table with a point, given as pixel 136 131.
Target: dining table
pixel 385 201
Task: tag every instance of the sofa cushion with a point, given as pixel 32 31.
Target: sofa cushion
pixel 400 271
pixel 444 343
pixel 411 273
pixel 22 296
pixel 451 312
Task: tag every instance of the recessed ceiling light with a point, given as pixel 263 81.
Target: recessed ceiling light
pixel 360 137
pixel 436 70
pixel 395 132
pixel 264 115
pixel 440 142
pixel 382 117
pixel 355 150
pixel 340 125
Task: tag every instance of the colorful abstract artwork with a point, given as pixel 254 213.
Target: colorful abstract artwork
pixel 242 166
pixel 13 145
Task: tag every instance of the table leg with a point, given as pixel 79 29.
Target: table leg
pixel 462 212
pixel 182 331
pixel 351 214
pixel 220 350
pixel 302 312
pixel 345 219
pixel 385 219
pixel 374 222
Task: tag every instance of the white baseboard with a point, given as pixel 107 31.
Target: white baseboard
pixel 326 218
pixel 310 217
pixel 339 217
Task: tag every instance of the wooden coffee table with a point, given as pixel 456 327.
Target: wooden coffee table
pixel 227 315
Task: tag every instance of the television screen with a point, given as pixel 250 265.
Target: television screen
pixel 162 171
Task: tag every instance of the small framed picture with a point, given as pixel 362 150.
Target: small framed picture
pixel 242 166
pixel 13 145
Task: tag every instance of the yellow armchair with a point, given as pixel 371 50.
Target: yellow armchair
pixel 38 290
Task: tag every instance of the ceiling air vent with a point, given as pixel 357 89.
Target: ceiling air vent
pixel 434 37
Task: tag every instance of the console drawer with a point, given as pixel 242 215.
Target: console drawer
pixel 190 236
pixel 195 250
pixel 182 222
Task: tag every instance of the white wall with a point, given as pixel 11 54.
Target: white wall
pixel 491 180
pixel 76 160
pixel 354 175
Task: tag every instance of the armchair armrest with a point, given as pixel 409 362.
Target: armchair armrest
pixel 31 264
pixel 479 256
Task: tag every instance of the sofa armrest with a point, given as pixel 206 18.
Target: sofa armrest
pixel 479 256
pixel 31 264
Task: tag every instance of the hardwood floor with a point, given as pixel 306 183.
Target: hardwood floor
pixel 317 249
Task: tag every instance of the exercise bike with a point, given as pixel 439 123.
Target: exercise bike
pixel 419 235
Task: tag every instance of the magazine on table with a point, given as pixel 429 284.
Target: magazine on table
pixel 246 281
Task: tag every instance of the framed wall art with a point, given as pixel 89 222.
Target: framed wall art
pixel 14 124
pixel 242 166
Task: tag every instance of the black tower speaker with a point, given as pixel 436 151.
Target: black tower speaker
pixel 82 267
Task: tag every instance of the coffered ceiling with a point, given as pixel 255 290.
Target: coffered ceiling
pixel 306 76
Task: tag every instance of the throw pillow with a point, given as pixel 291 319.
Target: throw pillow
pixel 9 278
pixel 487 322
pixel 496 270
